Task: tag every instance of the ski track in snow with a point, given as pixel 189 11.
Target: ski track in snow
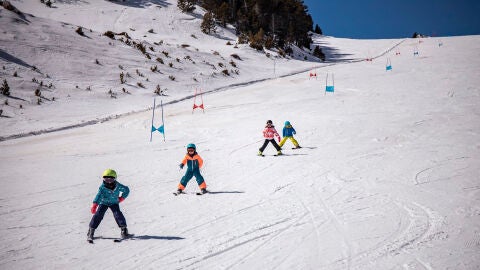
pixel 386 179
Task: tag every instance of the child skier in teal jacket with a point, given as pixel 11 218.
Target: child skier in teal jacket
pixel 288 132
pixel 109 195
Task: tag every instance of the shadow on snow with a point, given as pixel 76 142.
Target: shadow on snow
pixel 145 237
pixel 10 58
pixel 225 192
pixel 141 3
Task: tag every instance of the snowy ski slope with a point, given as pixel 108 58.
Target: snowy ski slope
pixel 388 176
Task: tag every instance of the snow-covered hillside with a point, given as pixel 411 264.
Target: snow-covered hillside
pixel 388 176
pixel 79 76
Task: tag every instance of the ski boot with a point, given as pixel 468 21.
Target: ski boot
pixel 91 232
pixel 204 190
pixel 260 153
pixel 279 153
pixel 124 232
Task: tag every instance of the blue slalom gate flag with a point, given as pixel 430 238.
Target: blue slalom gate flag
pixel 388 66
pixel 161 128
pixel 329 87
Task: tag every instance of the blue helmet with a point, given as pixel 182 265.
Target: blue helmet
pixel 191 145
pixel 287 123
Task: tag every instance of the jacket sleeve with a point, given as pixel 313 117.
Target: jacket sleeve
pixel 293 131
pixel 184 161
pixel 200 161
pixel 276 133
pixel 125 191
pixel 97 197
pixel 284 132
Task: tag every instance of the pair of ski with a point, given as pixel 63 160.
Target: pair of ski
pixel 276 155
pixel 262 155
pixel 116 240
pixel 181 192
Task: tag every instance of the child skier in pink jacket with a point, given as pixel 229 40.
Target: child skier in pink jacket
pixel 269 133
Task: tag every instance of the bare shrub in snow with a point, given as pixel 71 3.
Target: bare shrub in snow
pixel 5 89
pixel 122 78
pixel 109 34
pixel 159 91
pixel 80 31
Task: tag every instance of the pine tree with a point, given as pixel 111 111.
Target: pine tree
pixel 5 89
pixel 222 14
pixel 256 41
pixel 318 30
pixel 208 23
pixel 186 5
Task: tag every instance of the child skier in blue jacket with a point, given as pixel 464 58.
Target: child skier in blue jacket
pixel 109 195
pixel 288 132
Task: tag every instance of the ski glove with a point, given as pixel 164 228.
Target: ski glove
pixel 181 166
pixel 94 208
pixel 121 199
pixel 278 139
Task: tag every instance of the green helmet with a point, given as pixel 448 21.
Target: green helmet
pixel 191 145
pixel 110 173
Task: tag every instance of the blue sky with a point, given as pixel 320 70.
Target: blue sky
pixel 395 19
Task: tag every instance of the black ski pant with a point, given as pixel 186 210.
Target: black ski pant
pixel 266 143
pixel 117 214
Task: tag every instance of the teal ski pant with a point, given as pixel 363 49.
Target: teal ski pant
pixel 189 174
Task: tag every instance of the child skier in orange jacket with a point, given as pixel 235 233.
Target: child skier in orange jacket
pixel 194 162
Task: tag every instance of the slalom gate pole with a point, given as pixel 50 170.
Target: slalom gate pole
pixel 326 84
pixel 153 116
pixel 194 100
pixel 163 124
pixel 201 98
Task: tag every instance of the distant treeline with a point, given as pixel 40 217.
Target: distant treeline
pixel 263 23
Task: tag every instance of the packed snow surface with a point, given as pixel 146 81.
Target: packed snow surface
pixel 388 176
